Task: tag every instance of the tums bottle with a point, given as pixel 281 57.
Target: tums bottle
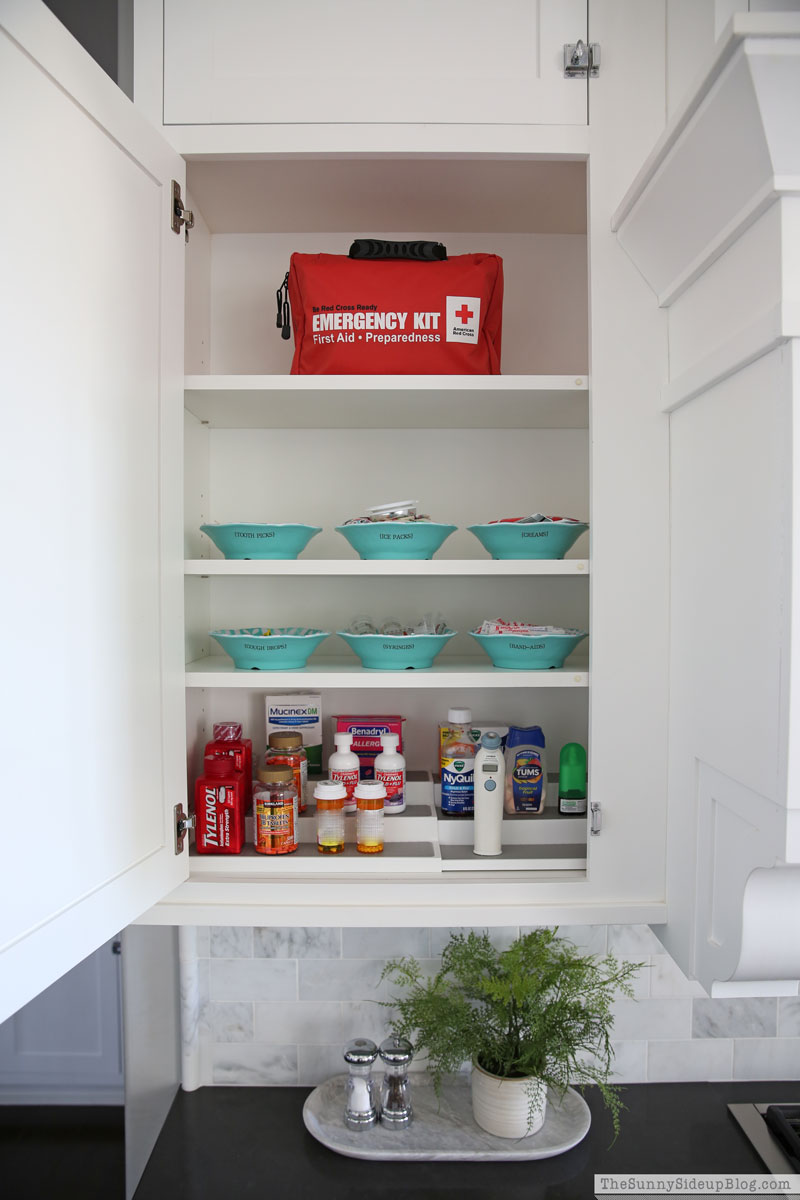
pixel 526 770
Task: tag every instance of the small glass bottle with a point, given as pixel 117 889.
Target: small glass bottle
pixel 286 749
pixel 361 1108
pixel 369 795
pixel 275 811
pixel 397 1053
pixel 330 796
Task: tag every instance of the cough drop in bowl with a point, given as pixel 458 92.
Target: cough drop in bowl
pixel 396 539
pixel 534 539
pixel 397 652
pixel 279 650
pixel 529 651
pixel 247 540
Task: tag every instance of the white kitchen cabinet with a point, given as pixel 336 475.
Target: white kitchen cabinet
pixel 464 447
pixel 65 1046
pixel 441 61
pixel 606 458
pixel 321 449
pixel 721 191
pixel 92 376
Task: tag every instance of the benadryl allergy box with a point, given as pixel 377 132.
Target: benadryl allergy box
pixel 303 713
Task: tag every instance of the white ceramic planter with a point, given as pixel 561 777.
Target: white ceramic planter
pixel 503 1106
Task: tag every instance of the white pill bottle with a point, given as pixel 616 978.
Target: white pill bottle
pixel 390 769
pixel 344 766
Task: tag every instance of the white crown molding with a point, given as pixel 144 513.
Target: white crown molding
pixel 727 155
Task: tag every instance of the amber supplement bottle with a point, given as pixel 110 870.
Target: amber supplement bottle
pixel 286 749
pixel 275 810
pixel 370 795
pixel 330 796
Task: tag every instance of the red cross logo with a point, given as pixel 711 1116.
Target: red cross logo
pixel 465 313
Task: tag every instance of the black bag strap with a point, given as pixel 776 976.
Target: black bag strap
pixel 284 319
pixel 416 251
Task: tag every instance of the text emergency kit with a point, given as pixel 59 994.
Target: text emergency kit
pixel 393 308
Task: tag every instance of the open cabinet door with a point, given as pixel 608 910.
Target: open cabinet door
pixel 91 331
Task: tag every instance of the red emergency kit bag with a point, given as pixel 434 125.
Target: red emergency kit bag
pixel 393 308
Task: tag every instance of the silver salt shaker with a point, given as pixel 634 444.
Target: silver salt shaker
pixel 361 1109
pixel 397 1053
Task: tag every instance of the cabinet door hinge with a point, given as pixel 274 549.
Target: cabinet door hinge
pixel 595 816
pixel 182 826
pixel 180 215
pixel 581 60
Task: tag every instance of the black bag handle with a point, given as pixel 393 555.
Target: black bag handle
pixel 283 320
pixel 416 251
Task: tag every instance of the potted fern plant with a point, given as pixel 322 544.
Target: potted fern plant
pixel 531 1018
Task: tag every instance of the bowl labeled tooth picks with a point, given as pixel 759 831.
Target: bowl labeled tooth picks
pixel 250 540
pixel 264 649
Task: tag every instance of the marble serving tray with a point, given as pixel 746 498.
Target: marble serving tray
pixel 441 1130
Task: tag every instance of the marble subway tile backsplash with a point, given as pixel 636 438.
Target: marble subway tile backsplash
pixel 270 1006
pixel 297 943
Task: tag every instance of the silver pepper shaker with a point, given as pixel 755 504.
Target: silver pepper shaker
pixel 361 1109
pixel 397 1053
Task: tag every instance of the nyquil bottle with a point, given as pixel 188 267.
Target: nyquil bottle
pixel 457 762
pixel 526 772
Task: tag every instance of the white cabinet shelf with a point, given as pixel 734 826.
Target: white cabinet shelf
pixel 417 842
pixel 551 857
pixel 216 671
pixel 261 444
pixel 404 858
pixel 434 567
pixel 389 401
pixel 549 841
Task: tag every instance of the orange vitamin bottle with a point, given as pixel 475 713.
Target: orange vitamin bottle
pixel 286 750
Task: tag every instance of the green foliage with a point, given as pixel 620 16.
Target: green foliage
pixel 539 1010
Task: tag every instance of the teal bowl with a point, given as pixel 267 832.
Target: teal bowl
pixel 261 541
pixel 282 650
pixel 396 539
pixel 539 539
pixel 529 651
pixel 388 652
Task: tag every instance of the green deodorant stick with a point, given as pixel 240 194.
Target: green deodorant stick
pixel 572 779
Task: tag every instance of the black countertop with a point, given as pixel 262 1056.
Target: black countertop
pixel 225 1143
